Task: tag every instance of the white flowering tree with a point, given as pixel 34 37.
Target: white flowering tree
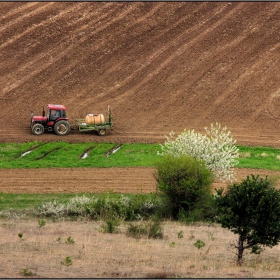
pixel 216 148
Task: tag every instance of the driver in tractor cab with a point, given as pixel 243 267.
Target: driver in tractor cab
pixel 54 115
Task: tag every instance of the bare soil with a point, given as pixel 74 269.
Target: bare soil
pixel 161 66
pixel 97 180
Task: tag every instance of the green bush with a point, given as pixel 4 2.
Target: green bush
pixel 136 230
pixel 251 210
pixel 151 229
pixel 110 226
pixel 155 229
pixel 184 182
pixel 199 244
pixel 122 207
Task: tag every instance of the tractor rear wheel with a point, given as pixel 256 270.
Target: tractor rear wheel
pixel 62 128
pixel 38 129
pixel 102 132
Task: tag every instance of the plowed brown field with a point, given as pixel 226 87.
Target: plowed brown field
pixel 161 66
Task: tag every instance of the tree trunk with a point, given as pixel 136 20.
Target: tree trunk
pixel 240 249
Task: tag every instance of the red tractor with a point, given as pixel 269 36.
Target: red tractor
pixel 55 120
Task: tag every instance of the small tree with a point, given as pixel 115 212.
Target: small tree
pixel 250 209
pixel 184 181
pixel 217 149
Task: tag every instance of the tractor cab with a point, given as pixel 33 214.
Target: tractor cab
pixel 55 112
pixel 55 120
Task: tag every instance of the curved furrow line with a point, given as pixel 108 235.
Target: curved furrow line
pixel 107 20
pixel 213 66
pixel 254 52
pixel 262 67
pixel 110 19
pixel 76 40
pixel 112 69
pixel 40 59
pixel 117 67
pixel 44 59
pixel 15 11
pixel 14 62
pixel 17 23
pixel 184 47
pixel 161 58
pixel 102 45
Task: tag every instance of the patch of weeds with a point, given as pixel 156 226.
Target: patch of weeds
pixel 58 239
pixel 41 223
pixel 199 244
pixel 136 231
pixel 155 229
pixel 69 240
pixel 20 235
pixel 161 275
pixel 67 261
pixel 245 155
pixel 172 244
pixel 110 226
pixel 180 234
pixel 151 229
pixel 111 221
pixel 27 273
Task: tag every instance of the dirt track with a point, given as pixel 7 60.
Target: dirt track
pixel 161 66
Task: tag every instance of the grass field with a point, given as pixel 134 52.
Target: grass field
pixel 63 154
pixel 46 252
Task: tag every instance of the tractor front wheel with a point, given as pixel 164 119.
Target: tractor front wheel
pixel 38 129
pixel 102 132
pixel 62 128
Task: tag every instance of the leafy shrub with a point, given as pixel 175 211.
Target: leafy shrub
pixel 78 205
pixel 185 183
pixel 199 244
pixel 67 262
pixel 110 226
pixel 70 240
pixel 123 207
pixel 136 231
pixel 251 210
pixel 111 221
pixel 155 229
pixel 50 209
pixel 41 223
pixel 27 273
pixel 151 229
pixel 180 234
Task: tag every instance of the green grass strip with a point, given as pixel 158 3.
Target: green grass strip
pixel 259 157
pixel 63 154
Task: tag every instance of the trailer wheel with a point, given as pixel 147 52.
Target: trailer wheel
pixel 38 129
pixel 62 128
pixel 102 132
